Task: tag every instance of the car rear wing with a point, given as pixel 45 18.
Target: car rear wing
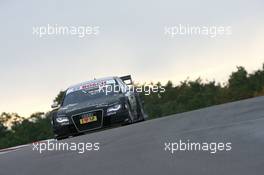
pixel 127 79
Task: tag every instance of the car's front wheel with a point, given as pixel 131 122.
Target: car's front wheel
pixel 61 137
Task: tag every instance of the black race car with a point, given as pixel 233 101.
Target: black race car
pixel 95 104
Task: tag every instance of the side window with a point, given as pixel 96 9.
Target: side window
pixel 124 88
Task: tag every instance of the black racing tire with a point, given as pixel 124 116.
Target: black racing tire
pixel 61 137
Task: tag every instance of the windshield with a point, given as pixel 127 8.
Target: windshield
pixel 83 95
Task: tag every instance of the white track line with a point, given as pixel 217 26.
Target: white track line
pixel 15 148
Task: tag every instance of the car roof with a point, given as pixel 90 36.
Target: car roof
pixel 93 81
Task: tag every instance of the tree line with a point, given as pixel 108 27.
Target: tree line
pixel 186 96
pixel 191 95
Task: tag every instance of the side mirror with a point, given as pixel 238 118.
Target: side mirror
pixel 55 105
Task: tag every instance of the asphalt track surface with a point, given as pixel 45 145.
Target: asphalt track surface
pixel 140 149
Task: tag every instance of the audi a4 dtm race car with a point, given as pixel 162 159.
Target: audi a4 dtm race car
pixel 95 104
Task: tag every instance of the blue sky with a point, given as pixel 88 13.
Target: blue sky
pixel 131 41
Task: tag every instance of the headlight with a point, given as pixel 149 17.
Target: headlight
pixel 114 108
pixel 62 119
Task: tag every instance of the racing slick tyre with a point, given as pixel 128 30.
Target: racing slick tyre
pixel 142 115
pixel 61 137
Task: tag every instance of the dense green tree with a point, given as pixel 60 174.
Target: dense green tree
pixel 190 95
pixel 59 97
pixel 238 84
pixel 36 127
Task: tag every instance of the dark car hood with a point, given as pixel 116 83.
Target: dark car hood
pixel 91 104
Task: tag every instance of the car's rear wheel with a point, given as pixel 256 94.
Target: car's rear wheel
pixel 142 116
